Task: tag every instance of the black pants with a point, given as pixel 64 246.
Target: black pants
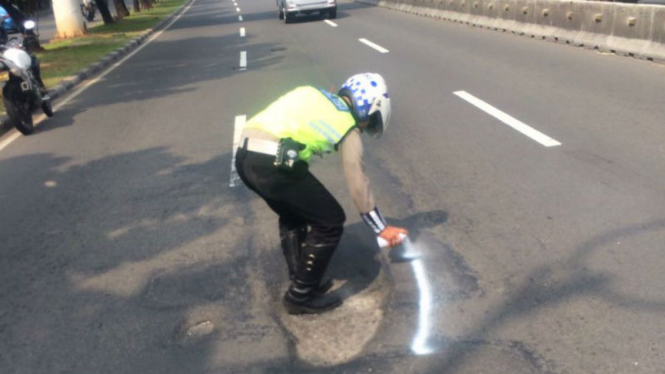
pixel 296 196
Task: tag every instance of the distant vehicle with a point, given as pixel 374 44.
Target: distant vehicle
pixel 88 9
pixel 8 23
pixel 288 9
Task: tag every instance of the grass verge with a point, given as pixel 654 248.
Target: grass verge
pixel 63 59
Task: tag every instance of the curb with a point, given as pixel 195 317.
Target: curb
pixel 99 66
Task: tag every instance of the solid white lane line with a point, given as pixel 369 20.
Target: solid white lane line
pixel 508 120
pixel 14 134
pixel 331 23
pixel 240 18
pixel 242 32
pixel 237 130
pixel 373 45
pixel 243 60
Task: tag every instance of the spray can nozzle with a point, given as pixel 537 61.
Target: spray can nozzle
pixel 404 252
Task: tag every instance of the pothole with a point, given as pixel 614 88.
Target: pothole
pixel 339 336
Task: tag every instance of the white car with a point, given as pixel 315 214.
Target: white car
pixel 288 9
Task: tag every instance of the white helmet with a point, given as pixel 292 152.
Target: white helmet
pixel 369 101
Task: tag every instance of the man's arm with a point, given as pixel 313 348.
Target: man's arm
pixel 351 153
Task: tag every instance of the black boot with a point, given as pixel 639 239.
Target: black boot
pixel 292 243
pixel 290 240
pixel 303 296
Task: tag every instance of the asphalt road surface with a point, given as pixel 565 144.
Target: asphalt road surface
pixel 530 175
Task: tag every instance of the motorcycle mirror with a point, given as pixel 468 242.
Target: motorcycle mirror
pixel 29 24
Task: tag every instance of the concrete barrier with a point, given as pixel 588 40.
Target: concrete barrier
pixel 628 29
pixel 596 24
pixel 631 31
pixel 656 49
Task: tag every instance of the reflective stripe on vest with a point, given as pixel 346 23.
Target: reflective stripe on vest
pixel 313 117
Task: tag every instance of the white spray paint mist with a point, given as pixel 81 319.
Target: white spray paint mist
pixel 419 344
pixel 410 252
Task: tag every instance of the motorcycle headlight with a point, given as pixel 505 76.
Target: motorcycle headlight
pixel 29 24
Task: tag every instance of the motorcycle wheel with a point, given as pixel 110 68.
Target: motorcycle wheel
pixel 20 116
pixel 47 108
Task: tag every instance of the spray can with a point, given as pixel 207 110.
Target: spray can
pixel 383 243
pixel 404 252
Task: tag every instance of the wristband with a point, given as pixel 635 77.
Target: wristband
pixel 374 220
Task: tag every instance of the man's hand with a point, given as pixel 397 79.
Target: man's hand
pixel 393 235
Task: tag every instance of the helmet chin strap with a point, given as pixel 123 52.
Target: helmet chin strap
pixel 347 100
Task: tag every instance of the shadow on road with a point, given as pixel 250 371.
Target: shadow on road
pixel 120 264
pixel 177 70
pixel 477 351
pixel 117 256
pixel 139 262
pixel 541 289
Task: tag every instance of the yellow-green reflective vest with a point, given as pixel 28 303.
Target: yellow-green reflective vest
pixel 308 115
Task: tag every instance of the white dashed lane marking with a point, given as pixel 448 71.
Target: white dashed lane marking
pixel 373 45
pixel 243 60
pixel 508 120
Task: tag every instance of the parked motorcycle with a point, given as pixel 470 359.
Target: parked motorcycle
pixel 88 9
pixel 24 90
